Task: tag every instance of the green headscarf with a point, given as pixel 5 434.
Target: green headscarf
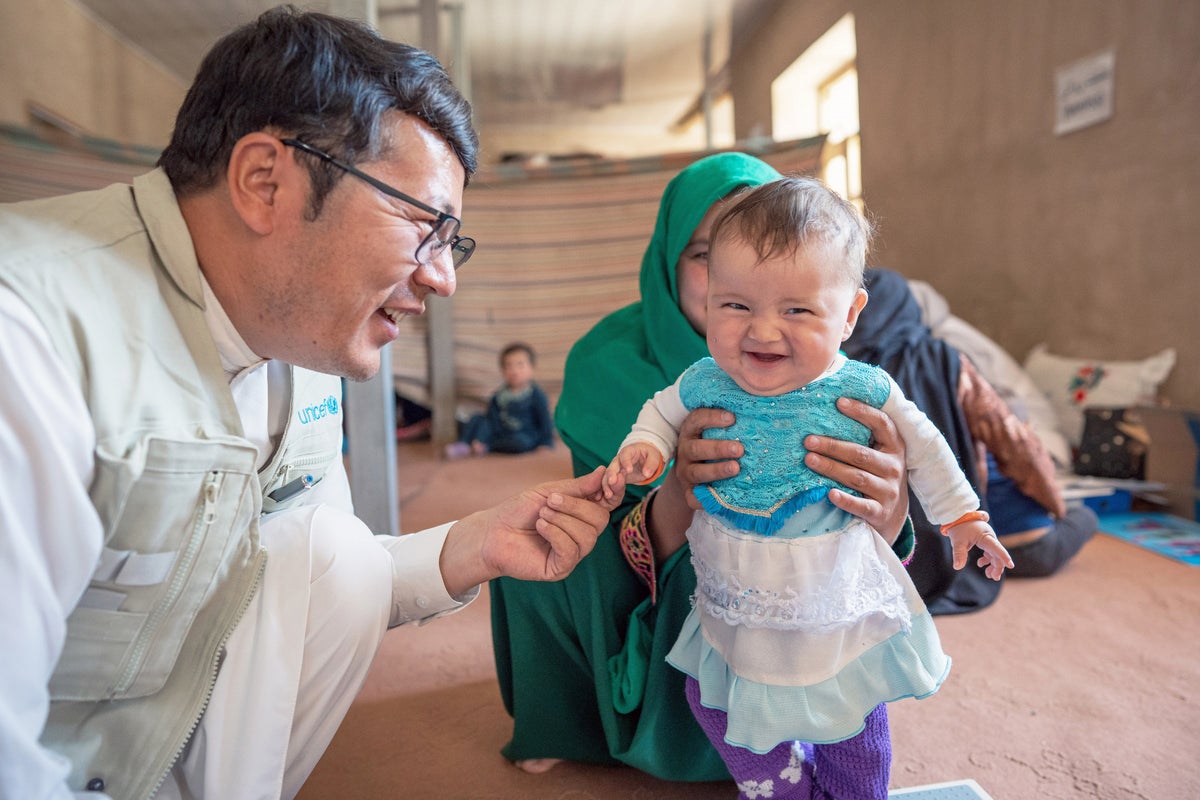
pixel 644 347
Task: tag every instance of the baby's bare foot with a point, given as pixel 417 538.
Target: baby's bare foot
pixel 537 765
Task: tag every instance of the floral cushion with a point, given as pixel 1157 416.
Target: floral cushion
pixel 1073 384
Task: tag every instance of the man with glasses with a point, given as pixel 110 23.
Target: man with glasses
pixel 196 605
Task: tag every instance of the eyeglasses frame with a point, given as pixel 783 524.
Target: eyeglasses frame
pixel 442 216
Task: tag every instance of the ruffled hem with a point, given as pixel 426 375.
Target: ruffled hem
pixel 761 716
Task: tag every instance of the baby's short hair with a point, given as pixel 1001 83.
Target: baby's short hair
pixel 785 214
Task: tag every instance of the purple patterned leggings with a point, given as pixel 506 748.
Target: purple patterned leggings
pixel 854 769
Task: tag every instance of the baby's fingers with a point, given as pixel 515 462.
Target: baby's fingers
pixel 995 558
pixel 611 475
pixel 616 487
pixel 961 549
pixel 991 567
pixel 990 544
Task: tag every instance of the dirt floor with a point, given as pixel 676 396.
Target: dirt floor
pixel 1083 685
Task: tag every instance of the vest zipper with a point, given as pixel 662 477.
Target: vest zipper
pixel 299 463
pixel 213 670
pixel 210 492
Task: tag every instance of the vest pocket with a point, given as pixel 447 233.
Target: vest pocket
pixel 295 471
pixel 186 507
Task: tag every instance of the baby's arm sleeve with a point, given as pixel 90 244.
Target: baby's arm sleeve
pixel 658 422
pixel 933 472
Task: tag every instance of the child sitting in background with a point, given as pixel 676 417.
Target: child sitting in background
pixel 805 623
pixel 517 419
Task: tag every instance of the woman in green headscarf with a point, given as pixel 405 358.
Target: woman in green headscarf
pixel 581 662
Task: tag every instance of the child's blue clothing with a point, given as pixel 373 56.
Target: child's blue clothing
pixel 515 422
pixel 773 430
pixel 804 619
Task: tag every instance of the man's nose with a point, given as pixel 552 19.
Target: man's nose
pixel 438 274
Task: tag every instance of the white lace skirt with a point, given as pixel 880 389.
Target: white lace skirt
pixel 800 638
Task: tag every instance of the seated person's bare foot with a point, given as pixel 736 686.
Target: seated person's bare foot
pixel 537 765
pixel 457 450
pixel 479 448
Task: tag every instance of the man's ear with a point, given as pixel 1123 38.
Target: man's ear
pixel 258 167
pixel 856 306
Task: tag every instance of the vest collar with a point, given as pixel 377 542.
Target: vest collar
pixel 168 232
pixel 172 241
pixel 235 354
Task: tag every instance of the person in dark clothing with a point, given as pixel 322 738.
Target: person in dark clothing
pixel 517 419
pixel 1040 543
pixel 890 334
pixel 1003 458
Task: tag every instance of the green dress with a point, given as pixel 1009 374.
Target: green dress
pixel 554 642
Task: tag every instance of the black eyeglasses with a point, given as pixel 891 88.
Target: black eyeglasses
pixel 445 227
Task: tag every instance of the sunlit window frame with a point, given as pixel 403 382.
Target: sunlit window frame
pixel 841 161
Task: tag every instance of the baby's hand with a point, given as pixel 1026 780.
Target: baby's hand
pixel 977 533
pixel 614 481
pixel 637 463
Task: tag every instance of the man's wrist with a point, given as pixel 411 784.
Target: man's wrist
pixel 461 561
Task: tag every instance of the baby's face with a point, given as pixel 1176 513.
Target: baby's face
pixel 775 326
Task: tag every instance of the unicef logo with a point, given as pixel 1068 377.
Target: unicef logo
pixel 326 408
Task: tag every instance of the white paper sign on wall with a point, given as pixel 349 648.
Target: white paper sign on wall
pixel 1084 92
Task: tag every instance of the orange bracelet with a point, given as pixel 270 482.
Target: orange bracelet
pixel 662 465
pixel 971 516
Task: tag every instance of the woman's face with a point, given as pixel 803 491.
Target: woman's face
pixel 691 272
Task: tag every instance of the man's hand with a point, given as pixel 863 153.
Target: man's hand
pixel 878 472
pixel 537 535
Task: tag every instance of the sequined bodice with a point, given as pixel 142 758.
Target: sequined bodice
pixel 773 481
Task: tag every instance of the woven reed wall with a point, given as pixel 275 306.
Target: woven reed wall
pixel 31 167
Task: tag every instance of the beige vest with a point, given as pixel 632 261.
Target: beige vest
pixel 113 278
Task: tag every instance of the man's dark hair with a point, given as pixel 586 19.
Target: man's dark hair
pixel 325 80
